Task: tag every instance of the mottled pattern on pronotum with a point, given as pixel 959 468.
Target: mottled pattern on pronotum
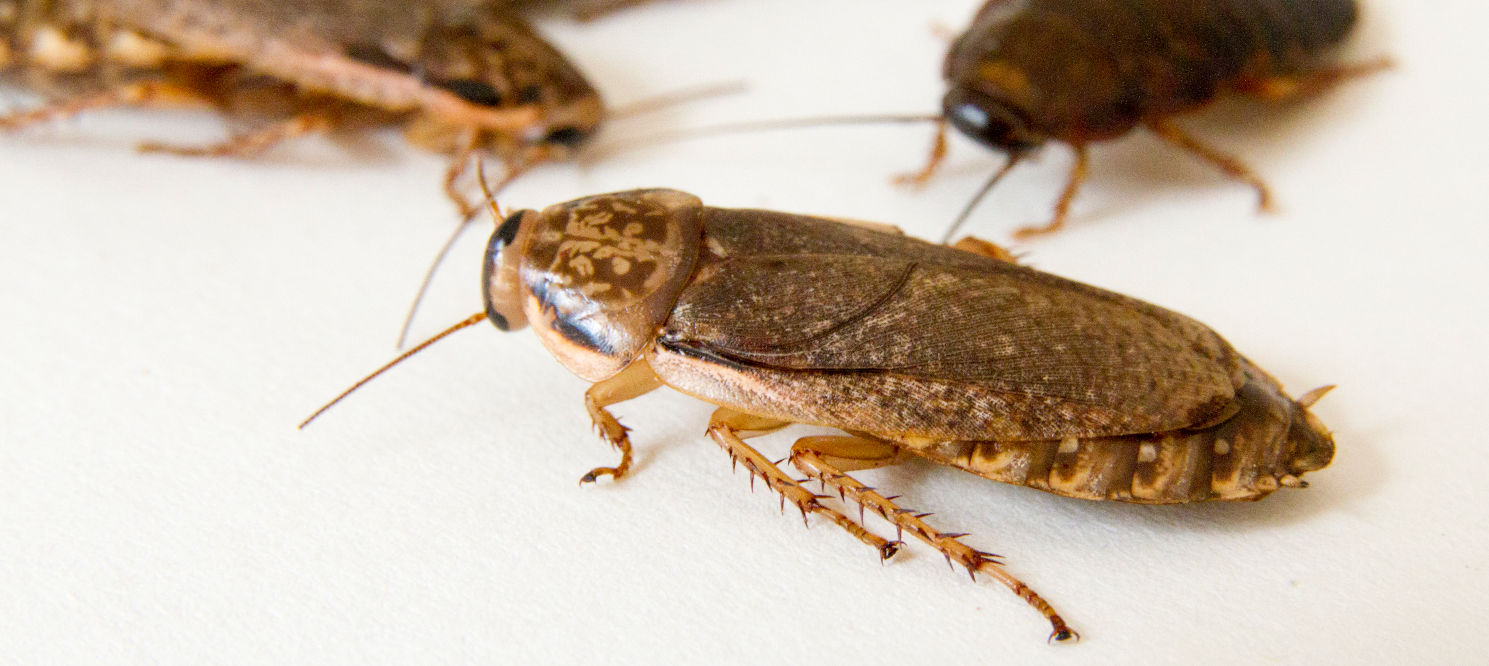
pixel 462 75
pixel 951 354
pixel 1079 71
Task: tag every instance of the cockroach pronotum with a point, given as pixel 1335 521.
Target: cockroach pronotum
pixel 954 354
pixel 1080 71
pixel 462 75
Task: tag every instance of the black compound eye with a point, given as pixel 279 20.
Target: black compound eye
pixel 472 90
pixel 987 120
pixel 568 137
pixel 496 256
pixel 507 230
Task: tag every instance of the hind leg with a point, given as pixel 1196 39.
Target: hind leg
pixel 1232 167
pixel 827 459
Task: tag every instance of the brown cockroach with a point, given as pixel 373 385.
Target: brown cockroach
pixel 1081 71
pixel 953 354
pixel 462 75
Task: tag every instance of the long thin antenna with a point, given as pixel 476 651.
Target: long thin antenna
pixel 444 250
pixel 599 151
pixel 678 97
pixel 986 187
pixel 467 322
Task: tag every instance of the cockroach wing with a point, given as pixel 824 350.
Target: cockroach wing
pixel 378 52
pixel 933 350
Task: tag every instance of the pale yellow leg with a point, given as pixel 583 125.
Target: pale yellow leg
pixel 1236 169
pixel 827 459
pixel 938 154
pixel 636 380
pixel 133 94
pixel 728 428
pixel 459 164
pixel 1073 181
pixel 256 142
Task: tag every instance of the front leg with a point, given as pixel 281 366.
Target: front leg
pixel 636 380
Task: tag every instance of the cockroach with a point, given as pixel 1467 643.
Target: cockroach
pixel 953 354
pixel 1081 71
pixel 461 75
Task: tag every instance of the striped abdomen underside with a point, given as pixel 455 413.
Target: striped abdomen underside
pixel 1268 442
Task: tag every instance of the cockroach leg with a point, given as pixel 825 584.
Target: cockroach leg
pixel 938 155
pixel 1073 182
pixel 987 249
pixel 253 143
pixel 133 94
pixel 636 380
pixel 465 148
pixel 1312 84
pixel 1168 131
pixel 826 459
pixel 728 427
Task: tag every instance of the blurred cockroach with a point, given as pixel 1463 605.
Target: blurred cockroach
pixel 953 354
pixel 1080 71
pixel 462 75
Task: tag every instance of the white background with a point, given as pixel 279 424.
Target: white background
pixel 166 322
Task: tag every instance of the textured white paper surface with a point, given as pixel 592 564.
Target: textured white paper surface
pixel 166 322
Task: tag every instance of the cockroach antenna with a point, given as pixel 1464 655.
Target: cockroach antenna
pixel 597 151
pixel 1013 160
pixel 444 250
pixel 824 121
pixel 465 323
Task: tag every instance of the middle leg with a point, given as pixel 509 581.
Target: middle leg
pixel 728 428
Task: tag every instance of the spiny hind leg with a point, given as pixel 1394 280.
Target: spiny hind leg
pixel 1073 181
pixel 728 428
pixel 138 93
pixel 1312 84
pixel 938 155
pixel 249 144
pixel 1168 131
pixel 827 459
pixel 636 380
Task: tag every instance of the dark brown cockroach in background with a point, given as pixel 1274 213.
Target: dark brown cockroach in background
pixel 461 75
pixel 1081 71
pixel 950 354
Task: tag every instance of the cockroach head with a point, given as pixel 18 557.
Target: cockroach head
pixel 992 121
pixel 492 74
pixel 500 274
pixel 595 277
